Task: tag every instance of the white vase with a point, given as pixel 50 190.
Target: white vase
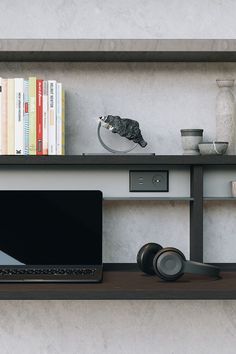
pixel 225 124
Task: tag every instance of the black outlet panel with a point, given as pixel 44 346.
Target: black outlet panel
pixel 149 181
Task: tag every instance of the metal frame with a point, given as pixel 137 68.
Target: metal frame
pixel 196 214
pixel 195 163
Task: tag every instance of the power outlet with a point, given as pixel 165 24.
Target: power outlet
pixel 149 181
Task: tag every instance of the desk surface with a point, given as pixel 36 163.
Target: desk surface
pixel 126 285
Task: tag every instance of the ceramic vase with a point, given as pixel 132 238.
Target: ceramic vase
pixel 225 124
pixel 233 188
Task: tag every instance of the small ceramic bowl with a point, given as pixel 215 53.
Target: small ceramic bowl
pixel 213 148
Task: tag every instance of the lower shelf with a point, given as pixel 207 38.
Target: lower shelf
pixel 123 285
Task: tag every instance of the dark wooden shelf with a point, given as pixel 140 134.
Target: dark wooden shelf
pixel 162 50
pixel 177 199
pixel 119 285
pixel 80 160
pixel 233 199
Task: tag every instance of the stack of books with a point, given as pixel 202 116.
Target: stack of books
pixel 32 117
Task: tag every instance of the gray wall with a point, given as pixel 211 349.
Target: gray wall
pixel 164 98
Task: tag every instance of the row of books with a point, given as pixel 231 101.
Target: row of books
pixel 32 117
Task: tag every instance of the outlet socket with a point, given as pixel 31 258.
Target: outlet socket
pixel 149 181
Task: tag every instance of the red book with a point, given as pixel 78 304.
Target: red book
pixel 39 117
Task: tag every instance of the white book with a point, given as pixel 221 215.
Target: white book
pixel 59 119
pixel 4 117
pixel 45 117
pixel 11 107
pixel 32 115
pixel 26 117
pixel 19 116
pixel 52 110
pixel 0 116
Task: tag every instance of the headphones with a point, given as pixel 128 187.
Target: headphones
pixel 169 263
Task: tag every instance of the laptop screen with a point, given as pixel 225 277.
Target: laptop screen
pixel 50 227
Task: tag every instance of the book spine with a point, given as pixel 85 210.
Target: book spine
pixel 52 117
pixel 19 116
pixel 59 119
pixel 11 116
pixel 4 117
pixel 39 117
pixel 0 116
pixel 45 118
pixel 63 123
pixel 32 115
pixel 26 117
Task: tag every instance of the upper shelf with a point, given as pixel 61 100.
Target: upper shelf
pixel 170 50
pixel 122 160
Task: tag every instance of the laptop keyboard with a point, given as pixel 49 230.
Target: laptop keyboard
pixel 47 271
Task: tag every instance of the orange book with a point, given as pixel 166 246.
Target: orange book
pixel 39 117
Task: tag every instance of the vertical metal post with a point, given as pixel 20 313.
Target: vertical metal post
pixel 196 214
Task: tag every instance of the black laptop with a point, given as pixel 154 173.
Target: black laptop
pixel 51 236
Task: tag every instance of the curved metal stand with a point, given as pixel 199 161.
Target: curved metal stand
pixel 107 147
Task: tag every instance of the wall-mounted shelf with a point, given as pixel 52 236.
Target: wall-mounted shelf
pixel 165 50
pixel 78 160
pixel 220 198
pixel 126 284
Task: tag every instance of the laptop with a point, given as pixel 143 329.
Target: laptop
pixel 51 236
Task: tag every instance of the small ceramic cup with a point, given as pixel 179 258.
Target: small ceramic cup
pixel 190 139
pixel 233 188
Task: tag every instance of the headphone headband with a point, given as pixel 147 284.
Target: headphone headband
pixel 201 269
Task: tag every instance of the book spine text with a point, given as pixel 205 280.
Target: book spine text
pixel 52 117
pixel 19 116
pixel 45 118
pixel 39 117
pixel 32 115
pixel 26 117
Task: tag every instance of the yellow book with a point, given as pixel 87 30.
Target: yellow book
pixel 63 123
pixel 11 117
pixel 32 115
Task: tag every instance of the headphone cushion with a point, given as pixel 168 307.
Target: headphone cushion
pixel 156 267
pixel 173 249
pixel 146 255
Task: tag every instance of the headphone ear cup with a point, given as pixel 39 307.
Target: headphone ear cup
pixel 173 249
pixel 160 269
pixel 146 255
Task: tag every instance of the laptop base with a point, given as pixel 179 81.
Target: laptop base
pixel 52 274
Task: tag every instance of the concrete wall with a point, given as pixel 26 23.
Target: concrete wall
pixel 164 98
